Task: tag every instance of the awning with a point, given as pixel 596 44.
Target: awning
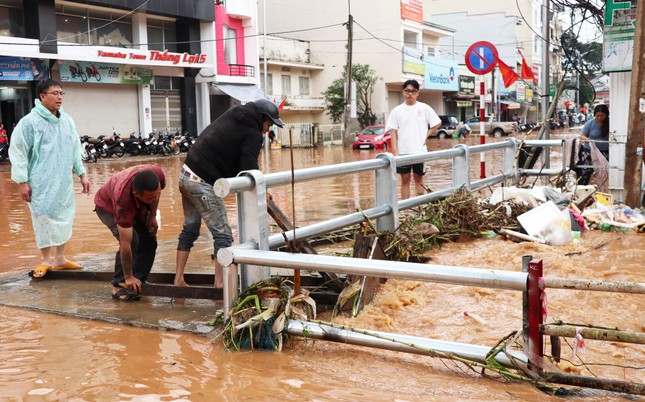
pixel 241 92
pixel 510 104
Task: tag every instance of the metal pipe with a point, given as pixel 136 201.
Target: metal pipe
pixel 397 342
pixel 481 183
pixel 488 278
pixel 319 228
pixel 597 383
pixel 428 156
pixel 224 187
pixel 595 285
pixel 541 172
pixel 492 146
pixel 543 143
pixel 601 334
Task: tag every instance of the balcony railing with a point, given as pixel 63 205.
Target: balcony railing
pixel 241 70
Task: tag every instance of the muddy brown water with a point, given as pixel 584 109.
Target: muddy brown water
pixel 52 358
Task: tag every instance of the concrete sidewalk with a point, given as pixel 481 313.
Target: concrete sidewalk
pixel 91 299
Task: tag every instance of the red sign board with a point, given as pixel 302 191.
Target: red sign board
pixel 412 10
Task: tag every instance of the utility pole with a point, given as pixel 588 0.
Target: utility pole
pixel 546 78
pixel 636 126
pixel 348 81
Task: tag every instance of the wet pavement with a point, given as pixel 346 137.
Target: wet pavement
pixel 90 299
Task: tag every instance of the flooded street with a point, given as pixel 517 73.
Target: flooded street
pixel 46 357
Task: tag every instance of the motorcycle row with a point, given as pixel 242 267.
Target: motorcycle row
pixel 156 144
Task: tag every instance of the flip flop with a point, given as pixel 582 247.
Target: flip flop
pixel 40 271
pixel 69 265
pixel 125 295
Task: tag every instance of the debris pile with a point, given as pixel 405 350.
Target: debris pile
pixel 261 312
pixel 462 213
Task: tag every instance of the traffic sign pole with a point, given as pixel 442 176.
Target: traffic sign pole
pixel 482 125
pixel 481 58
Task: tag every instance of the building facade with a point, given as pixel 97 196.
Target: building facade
pixel 514 28
pixel 393 38
pixel 125 66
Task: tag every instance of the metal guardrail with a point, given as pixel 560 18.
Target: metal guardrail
pixel 253 254
pixel 251 188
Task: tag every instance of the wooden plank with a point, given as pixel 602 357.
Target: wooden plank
pixel 369 286
pixel 183 292
pixel 156 277
pixel 285 224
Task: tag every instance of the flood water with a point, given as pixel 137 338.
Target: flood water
pixel 52 358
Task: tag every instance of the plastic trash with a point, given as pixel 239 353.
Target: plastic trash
pixel 475 318
pixel 558 231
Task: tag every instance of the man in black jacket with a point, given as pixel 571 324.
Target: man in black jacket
pixel 229 145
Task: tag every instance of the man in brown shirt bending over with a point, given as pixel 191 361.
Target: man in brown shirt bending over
pixel 127 205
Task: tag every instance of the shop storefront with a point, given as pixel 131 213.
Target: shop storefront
pixel 123 71
pixel 16 73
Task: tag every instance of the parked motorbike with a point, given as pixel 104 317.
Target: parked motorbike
pixel 184 141
pixel 4 152
pixel 88 151
pixel 133 145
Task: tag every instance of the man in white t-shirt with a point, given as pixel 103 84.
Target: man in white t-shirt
pixel 411 123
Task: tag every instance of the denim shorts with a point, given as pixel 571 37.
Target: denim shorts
pixel 200 202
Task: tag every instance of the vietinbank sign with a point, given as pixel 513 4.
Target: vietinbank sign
pixel 440 74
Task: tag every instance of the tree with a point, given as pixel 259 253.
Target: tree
pixel 583 60
pixel 365 78
pixel 583 10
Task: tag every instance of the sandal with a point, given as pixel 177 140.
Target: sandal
pixel 69 265
pixel 40 271
pixel 125 295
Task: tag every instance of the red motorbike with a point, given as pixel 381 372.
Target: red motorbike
pixel 93 72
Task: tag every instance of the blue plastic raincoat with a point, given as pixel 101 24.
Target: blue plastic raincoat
pixel 44 150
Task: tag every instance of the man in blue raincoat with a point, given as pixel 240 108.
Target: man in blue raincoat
pixel 45 148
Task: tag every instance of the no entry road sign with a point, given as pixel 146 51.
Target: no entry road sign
pixel 481 57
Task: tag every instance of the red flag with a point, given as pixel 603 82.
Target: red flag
pixel 527 72
pixel 281 105
pixel 508 74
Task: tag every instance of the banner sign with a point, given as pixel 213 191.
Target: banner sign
pixel 440 74
pixel 466 85
pixel 520 94
pixel 412 10
pixel 413 61
pixel 618 35
pixel 23 69
pixel 464 103
pixel 84 71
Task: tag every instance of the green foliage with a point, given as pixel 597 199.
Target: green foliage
pixel 587 57
pixel 365 78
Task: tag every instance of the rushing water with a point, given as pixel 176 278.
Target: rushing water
pixel 53 358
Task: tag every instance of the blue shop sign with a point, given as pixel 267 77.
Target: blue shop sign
pixel 440 74
pixel 23 69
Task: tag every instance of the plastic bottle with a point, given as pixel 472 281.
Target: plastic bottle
pixel 606 227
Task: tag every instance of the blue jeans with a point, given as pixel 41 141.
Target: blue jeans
pixel 200 202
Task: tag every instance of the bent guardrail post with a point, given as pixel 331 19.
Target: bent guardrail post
pixel 385 192
pixel 510 154
pixel 253 224
pixel 461 167
pixel 536 298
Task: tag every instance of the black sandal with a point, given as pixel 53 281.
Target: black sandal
pixel 125 295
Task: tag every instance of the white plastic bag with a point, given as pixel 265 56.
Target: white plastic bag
pixel 558 231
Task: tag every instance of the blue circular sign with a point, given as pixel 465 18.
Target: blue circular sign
pixel 481 57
